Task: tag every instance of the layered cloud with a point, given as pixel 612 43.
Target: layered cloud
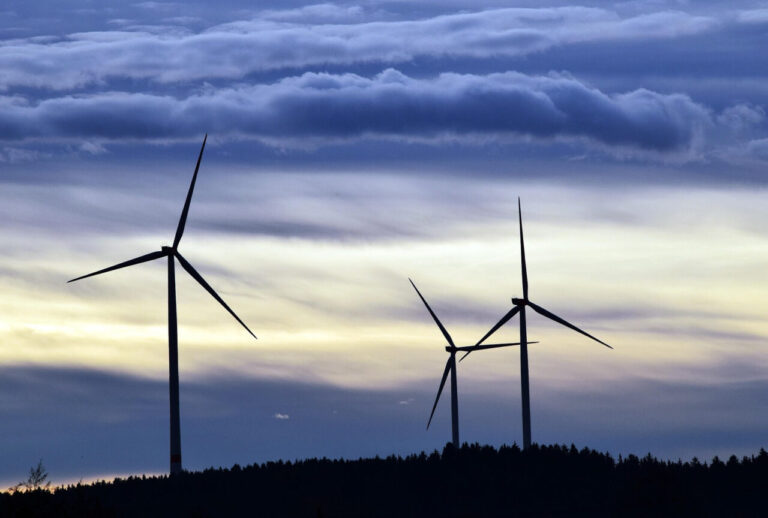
pixel 390 104
pixel 311 75
pixel 276 41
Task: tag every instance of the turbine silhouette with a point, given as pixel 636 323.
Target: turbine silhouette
pixel 519 307
pixel 171 252
pixel 450 367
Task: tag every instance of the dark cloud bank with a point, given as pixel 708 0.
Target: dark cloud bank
pixel 85 422
pixel 347 106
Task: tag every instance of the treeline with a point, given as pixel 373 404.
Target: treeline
pixel 473 481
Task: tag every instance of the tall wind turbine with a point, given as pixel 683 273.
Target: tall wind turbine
pixel 519 307
pixel 172 252
pixel 450 367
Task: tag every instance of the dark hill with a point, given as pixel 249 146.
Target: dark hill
pixel 472 481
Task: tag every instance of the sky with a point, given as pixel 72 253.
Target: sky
pixel 354 146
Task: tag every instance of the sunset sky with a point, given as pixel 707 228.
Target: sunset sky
pixel 352 146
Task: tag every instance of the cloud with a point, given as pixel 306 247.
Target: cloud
pixel 317 13
pixel 758 149
pixel 281 417
pixel 16 155
pixel 753 16
pixel 92 148
pixel 160 6
pixel 749 152
pixel 329 107
pixel 741 117
pixel 164 83
pixel 302 38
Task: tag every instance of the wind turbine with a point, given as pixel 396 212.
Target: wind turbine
pixel 450 367
pixel 172 252
pixel 519 307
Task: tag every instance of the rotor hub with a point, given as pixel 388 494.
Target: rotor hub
pixel 519 302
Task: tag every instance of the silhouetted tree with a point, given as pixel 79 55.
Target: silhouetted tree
pixel 37 479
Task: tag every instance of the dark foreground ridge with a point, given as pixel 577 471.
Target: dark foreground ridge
pixel 471 481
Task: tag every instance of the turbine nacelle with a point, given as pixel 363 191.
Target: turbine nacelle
pixel 167 249
pixel 519 302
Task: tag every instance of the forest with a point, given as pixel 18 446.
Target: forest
pixel 473 480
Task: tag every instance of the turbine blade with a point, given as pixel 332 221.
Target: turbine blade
pixel 440 390
pixel 199 278
pixel 491 346
pixel 185 211
pixel 138 260
pixel 552 316
pixel 437 320
pixel 511 313
pixel 522 251
pixel 488 346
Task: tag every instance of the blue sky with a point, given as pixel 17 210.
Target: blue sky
pixel 352 146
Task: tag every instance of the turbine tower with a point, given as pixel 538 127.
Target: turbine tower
pixel 172 253
pixel 519 307
pixel 450 367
